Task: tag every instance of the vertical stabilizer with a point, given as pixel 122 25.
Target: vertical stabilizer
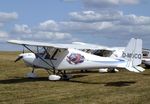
pixel 133 55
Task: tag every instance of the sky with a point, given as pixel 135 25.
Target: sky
pixel 103 22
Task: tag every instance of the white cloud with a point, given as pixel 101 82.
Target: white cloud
pixel 107 23
pixel 52 35
pixel 108 3
pixel 1 25
pixel 21 29
pixel 100 18
pixel 102 23
pixel 109 16
pixel 5 17
pixel 3 34
pixel 44 35
pixel 129 1
pixel 80 27
pixel 49 25
pixel 93 16
pixel 135 20
pixel 24 32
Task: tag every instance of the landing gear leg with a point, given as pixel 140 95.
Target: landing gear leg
pixel 112 70
pixel 32 70
pixel 65 76
pixel 31 74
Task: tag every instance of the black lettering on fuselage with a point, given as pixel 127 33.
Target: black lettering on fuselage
pixel 131 55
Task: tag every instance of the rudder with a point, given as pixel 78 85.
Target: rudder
pixel 133 55
pixel 133 52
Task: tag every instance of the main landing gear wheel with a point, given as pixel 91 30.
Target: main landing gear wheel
pixel 54 77
pixel 59 76
pixel 147 66
pixel 66 77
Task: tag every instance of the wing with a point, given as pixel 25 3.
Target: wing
pixel 97 47
pixel 60 46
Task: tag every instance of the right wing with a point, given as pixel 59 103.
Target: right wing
pixel 97 47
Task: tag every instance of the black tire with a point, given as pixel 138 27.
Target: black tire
pixel 147 66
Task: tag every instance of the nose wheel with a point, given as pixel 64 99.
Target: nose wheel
pixel 59 75
pixel 31 74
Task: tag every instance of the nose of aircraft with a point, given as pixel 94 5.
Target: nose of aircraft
pixel 28 58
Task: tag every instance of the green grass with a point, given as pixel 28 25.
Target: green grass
pixel 85 88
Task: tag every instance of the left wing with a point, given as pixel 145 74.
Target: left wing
pixel 55 45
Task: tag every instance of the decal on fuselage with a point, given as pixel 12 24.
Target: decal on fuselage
pixel 75 58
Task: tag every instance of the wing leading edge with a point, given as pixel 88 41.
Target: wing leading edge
pixel 56 45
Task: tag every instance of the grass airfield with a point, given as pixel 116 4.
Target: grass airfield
pixel 84 88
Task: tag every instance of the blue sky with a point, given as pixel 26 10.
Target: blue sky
pixel 32 11
pixel 106 22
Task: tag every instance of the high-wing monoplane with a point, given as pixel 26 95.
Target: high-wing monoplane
pixel 56 59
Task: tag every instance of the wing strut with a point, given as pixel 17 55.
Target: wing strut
pixel 53 68
pixel 55 54
pixel 50 58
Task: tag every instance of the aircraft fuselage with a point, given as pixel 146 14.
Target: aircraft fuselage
pixel 71 59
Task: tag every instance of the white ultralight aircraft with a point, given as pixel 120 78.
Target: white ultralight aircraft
pixel 57 58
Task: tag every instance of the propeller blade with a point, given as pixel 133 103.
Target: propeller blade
pixel 20 57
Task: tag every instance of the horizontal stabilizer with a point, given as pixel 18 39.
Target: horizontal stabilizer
pixel 136 69
pixel 140 68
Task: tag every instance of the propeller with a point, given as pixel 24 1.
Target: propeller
pixel 20 57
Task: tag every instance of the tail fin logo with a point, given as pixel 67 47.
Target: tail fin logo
pixel 131 55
